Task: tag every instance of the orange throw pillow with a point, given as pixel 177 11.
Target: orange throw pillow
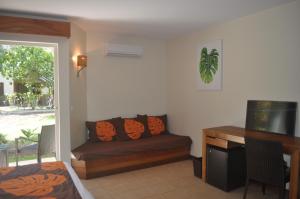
pixel 133 128
pixel 157 124
pixel 105 131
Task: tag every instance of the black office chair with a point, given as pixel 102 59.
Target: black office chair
pixel 265 165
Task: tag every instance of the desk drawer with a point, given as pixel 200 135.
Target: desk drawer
pixel 225 144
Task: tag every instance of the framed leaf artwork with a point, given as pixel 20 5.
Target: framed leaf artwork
pixel 209 66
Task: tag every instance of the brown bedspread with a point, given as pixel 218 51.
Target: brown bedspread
pixel 45 181
pixel 116 148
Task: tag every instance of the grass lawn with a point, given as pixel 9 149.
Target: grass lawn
pixel 25 157
pixel 21 158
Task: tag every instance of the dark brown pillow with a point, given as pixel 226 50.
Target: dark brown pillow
pixel 103 130
pixel 157 124
pixel 143 119
pixel 91 126
pixel 131 128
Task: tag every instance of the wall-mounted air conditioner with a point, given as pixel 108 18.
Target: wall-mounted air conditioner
pixel 123 50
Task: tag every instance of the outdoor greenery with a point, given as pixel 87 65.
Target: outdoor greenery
pixel 31 67
pixel 30 134
pixel 12 159
pixel 3 139
pixel 30 71
pixel 2 51
pixel 208 65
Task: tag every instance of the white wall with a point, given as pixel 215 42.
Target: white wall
pixel 8 85
pixel 122 86
pixel 261 61
pixel 77 88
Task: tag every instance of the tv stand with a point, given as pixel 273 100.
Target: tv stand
pixel 230 136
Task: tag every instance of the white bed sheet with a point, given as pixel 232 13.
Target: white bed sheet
pixel 84 193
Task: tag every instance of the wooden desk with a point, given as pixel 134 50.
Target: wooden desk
pixel 228 136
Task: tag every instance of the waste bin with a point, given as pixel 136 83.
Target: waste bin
pixel 197 163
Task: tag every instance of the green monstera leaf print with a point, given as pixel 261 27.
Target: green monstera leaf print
pixel 208 65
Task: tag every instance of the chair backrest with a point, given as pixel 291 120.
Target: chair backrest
pixel 265 161
pixel 46 143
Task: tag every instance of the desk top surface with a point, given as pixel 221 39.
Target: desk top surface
pixel 237 134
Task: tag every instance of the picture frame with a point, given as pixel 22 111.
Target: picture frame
pixel 209 73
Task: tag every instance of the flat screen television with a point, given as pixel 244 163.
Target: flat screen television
pixel 271 116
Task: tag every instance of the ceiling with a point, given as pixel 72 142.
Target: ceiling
pixel 152 18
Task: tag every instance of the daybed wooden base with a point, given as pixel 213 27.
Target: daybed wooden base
pixel 116 164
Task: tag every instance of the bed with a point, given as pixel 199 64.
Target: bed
pixel 51 180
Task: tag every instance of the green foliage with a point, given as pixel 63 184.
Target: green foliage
pixel 11 98
pixel 50 117
pixel 31 66
pixel 12 158
pixel 2 52
pixel 32 99
pixel 3 99
pixel 30 134
pixel 23 99
pixel 3 139
pixel 208 65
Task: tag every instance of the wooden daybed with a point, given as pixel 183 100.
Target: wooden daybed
pixel 105 158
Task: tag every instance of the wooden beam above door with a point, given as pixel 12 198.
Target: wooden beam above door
pixel 23 25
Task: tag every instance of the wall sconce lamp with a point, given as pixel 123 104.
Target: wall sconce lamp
pixel 81 63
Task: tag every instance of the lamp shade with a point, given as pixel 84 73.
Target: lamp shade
pixel 81 61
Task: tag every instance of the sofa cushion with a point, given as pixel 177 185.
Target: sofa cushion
pixel 157 124
pixel 91 126
pixel 144 119
pixel 105 130
pixel 132 128
pixel 96 150
pixel 102 130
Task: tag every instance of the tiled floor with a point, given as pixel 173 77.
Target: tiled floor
pixel 170 181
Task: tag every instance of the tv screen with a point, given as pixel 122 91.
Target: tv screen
pixel 271 116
